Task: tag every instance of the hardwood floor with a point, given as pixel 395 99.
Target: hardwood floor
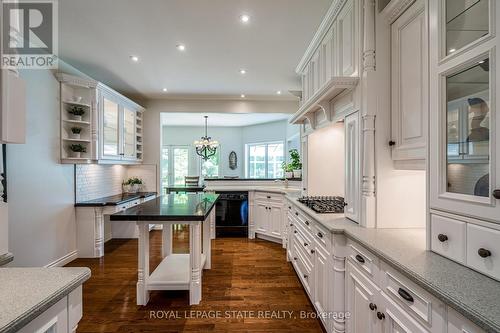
pixel 246 276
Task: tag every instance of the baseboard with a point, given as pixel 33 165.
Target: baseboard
pixel 157 227
pixel 269 238
pixel 63 260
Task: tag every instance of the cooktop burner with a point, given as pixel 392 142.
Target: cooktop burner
pixel 324 205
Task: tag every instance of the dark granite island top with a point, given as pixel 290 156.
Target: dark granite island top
pixel 171 207
pixel 114 200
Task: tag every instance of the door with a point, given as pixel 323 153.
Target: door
pixel 352 177
pixel 110 116
pixel 396 320
pixel 464 150
pixel 276 219
pixel 261 217
pixel 322 282
pixel 361 302
pixel 409 84
pixel 129 128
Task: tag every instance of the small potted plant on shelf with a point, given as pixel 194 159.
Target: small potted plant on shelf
pixel 76 112
pixel 295 163
pixel 132 185
pixel 77 150
pixel 288 169
pixel 75 132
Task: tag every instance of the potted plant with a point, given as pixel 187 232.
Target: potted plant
pixel 132 185
pixel 288 169
pixel 77 150
pixel 75 132
pixel 76 112
pixel 295 163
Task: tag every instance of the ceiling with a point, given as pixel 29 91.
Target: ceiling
pixel 220 119
pixel 99 36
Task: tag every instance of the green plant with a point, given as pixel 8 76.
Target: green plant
pixel 295 163
pixel 78 148
pixel 287 167
pixel 76 110
pixel 76 130
pixel 133 181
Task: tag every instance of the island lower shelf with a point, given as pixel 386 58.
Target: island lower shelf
pixel 173 273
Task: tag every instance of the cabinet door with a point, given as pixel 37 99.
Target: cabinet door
pixel 352 170
pixel 276 219
pixel 361 298
pixel 129 128
pixel 396 320
pixel 261 217
pixel 110 128
pixel 409 84
pixel 322 281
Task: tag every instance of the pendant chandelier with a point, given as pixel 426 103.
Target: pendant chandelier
pixel 206 147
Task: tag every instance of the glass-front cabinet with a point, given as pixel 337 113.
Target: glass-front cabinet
pixel 119 128
pixel 464 121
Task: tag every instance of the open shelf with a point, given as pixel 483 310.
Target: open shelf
pixel 79 122
pixel 173 273
pixel 76 140
pixel 77 104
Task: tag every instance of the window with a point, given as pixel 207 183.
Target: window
pixel 264 160
pixel 210 167
pixel 174 165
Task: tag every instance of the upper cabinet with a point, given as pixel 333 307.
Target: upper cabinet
pixel 98 125
pixel 409 86
pixel 464 124
pixel 330 65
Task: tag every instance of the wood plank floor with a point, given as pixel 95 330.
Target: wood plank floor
pixel 246 275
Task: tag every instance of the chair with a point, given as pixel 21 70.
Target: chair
pixel 191 181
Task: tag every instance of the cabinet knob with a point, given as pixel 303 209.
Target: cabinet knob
pixel 360 259
pixel 305 244
pixel 306 276
pixel 442 238
pixel 313 251
pixel 269 197
pixel 380 315
pixel 496 194
pixel 483 253
pixel 296 213
pixel 295 231
pixel 372 306
pixel 291 224
pixel 289 207
pixel 307 222
pixel 320 235
pixel 294 258
pixel 392 143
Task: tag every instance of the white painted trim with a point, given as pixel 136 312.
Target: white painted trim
pixel 395 8
pixel 63 260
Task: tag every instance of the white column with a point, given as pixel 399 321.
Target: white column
pixel 195 262
pixel 207 246
pixel 166 240
pixel 143 260
pixel 99 232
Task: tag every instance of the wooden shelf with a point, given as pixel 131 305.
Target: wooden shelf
pixel 79 122
pixel 77 104
pixel 321 99
pixel 77 140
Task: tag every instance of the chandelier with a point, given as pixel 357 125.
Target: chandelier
pixel 206 147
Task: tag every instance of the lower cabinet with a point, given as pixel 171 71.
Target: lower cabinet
pixel 322 267
pixel 268 214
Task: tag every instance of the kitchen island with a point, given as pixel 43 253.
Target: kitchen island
pixel 176 271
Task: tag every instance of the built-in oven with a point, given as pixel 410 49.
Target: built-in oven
pixel 232 214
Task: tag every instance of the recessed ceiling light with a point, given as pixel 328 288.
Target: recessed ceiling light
pixel 181 47
pixel 242 95
pixel 243 71
pixel 134 58
pixel 244 18
pixel 278 92
pixel 452 50
pixel 164 90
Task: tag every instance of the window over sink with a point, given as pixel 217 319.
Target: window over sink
pixel 264 160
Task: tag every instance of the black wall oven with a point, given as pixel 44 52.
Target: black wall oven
pixel 232 214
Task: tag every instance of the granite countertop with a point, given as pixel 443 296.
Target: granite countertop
pixel 474 295
pixel 171 207
pixel 114 200
pixel 27 292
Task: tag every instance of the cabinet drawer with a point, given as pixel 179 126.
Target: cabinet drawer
pixel 322 237
pixel 365 261
pixel 268 196
pixel 483 252
pixel 304 248
pixel 304 221
pixel 418 303
pixel 448 237
pixel 302 269
pixel 459 324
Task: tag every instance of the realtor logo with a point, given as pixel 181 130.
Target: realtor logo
pixel 29 34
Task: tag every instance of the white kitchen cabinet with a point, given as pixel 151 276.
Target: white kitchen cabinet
pixel 459 324
pixel 395 320
pixel 269 215
pixel 261 217
pixel 322 280
pixel 409 84
pixel 347 39
pixel 352 167
pixel 464 124
pixel 276 219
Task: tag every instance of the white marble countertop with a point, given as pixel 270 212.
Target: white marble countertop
pixel 474 295
pixel 27 292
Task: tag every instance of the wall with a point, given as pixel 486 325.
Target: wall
pixel 273 131
pixel 326 161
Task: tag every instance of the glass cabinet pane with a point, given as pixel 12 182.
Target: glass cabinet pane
pixel 110 128
pixel 129 133
pixel 468 130
pixel 466 21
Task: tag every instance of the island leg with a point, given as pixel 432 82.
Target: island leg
pixel 166 240
pixel 195 262
pixel 207 248
pixel 143 270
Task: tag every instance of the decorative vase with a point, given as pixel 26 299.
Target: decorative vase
pixel 77 118
pixel 289 174
pixel 75 154
pixel 297 173
pixel 74 135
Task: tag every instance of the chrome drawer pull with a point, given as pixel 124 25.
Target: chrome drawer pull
pixel 360 259
pixel 405 295
pixel 483 253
